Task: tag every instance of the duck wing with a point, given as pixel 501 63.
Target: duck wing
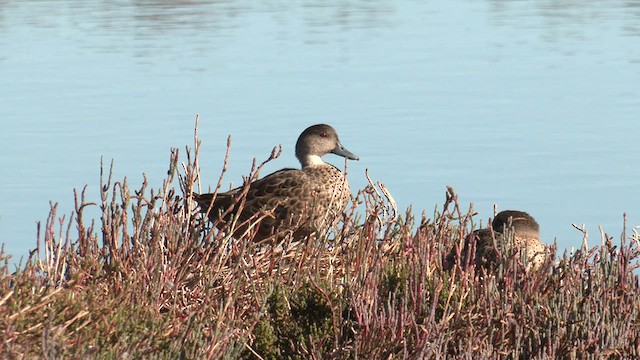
pixel 276 190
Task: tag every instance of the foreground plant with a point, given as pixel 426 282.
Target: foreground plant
pixel 152 279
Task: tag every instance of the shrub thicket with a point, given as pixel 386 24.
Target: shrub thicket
pixel 154 280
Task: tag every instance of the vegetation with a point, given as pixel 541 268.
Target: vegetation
pixel 152 279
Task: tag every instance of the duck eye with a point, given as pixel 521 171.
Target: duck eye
pixel 323 134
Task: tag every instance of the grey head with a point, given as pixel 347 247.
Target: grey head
pixel 526 235
pixel 317 141
pixel 523 224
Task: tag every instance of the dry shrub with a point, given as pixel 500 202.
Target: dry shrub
pixel 155 280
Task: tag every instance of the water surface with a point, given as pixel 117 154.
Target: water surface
pixel 529 105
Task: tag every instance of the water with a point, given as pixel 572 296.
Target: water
pixel 528 105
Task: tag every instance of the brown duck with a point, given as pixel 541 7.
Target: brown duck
pixel 297 201
pixel 526 235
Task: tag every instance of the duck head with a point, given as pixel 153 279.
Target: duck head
pixel 317 141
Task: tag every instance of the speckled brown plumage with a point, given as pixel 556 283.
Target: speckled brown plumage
pixel 289 200
pixel 526 236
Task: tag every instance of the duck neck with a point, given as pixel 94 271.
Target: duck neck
pixel 311 160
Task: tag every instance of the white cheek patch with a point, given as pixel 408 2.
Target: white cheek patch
pixel 314 160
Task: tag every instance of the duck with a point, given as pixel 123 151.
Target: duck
pixel 526 236
pixel 288 201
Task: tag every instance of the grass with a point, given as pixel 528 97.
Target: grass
pixel 151 279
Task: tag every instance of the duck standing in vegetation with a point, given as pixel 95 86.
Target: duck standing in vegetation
pixel 297 201
pixel 526 237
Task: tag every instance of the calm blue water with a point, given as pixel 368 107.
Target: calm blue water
pixel 530 105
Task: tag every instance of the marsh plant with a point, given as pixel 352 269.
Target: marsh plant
pixel 151 278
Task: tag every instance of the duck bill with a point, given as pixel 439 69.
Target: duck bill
pixel 342 151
